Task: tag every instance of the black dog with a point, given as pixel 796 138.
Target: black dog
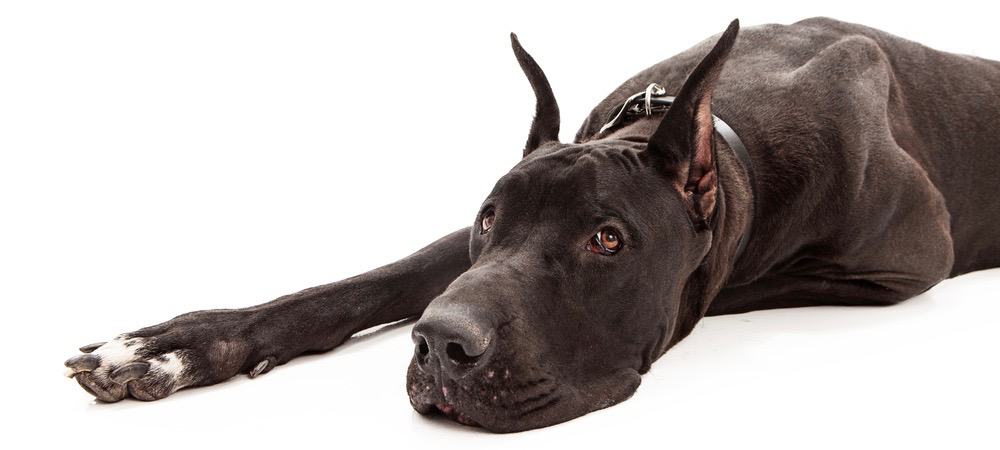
pixel 862 171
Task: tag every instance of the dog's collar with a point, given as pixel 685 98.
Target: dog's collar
pixel 655 100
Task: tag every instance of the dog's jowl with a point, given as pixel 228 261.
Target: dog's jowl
pixel 819 163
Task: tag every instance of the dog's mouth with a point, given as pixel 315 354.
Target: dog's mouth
pixel 443 408
pixel 504 405
pixel 428 406
pixel 500 418
pixel 448 410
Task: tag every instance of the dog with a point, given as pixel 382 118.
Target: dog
pixel 818 163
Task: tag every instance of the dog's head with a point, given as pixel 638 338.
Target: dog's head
pixel 586 258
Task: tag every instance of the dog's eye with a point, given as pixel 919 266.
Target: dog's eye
pixel 605 242
pixel 487 221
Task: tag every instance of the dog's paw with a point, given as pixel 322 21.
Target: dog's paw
pixel 130 366
pixel 194 349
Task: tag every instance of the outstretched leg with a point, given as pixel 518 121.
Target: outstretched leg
pixel 206 347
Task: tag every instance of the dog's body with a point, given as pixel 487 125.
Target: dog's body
pixel 868 149
pixel 872 179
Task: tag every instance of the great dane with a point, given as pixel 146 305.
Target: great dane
pixel 818 163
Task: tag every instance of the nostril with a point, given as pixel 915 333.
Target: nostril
pixel 456 353
pixel 422 350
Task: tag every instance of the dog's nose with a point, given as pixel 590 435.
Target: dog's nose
pixel 456 338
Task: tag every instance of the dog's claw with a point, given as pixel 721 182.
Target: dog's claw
pixel 262 367
pixel 91 347
pixel 130 371
pixel 258 368
pixel 82 363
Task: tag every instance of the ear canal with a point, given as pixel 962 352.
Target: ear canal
pixel 683 140
pixel 545 126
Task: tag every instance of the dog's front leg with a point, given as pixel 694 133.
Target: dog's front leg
pixel 206 347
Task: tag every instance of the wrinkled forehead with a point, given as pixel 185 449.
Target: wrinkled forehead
pixel 590 177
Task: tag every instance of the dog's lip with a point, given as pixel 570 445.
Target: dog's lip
pixel 449 411
pixel 433 398
pixel 484 405
pixel 499 419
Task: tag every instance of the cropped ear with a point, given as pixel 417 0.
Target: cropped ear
pixel 545 126
pixel 684 140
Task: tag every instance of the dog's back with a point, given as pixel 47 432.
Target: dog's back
pixel 799 94
pixel 944 111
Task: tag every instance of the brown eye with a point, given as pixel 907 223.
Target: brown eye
pixel 606 242
pixel 487 222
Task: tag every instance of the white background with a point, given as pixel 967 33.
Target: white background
pixel 164 157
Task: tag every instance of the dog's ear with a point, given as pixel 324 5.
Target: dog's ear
pixel 545 126
pixel 684 139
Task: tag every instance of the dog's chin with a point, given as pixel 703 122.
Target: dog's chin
pixel 505 401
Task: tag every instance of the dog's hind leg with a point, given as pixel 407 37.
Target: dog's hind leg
pixel 206 347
